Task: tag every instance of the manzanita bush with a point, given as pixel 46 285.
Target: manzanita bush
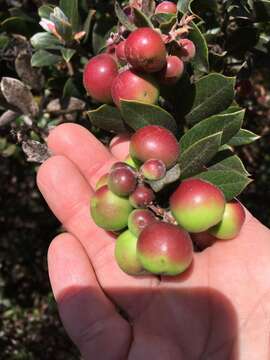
pixel 157 70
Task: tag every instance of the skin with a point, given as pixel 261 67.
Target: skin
pixel 221 306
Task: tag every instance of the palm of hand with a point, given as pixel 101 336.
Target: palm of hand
pixel 219 309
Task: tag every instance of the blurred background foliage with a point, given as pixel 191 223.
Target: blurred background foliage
pixel 42 87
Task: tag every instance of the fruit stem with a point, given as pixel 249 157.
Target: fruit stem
pixel 165 215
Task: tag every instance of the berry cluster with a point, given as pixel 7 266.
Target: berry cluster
pixel 136 63
pixel 156 238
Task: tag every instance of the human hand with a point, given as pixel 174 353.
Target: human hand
pixel 218 309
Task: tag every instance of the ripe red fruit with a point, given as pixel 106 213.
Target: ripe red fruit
pixel 231 223
pixel 187 50
pixel 154 142
pixel 122 181
pixel 110 211
pixel 129 85
pixel 142 196
pixel 98 76
pixel 139 219
pixel 172 72
pixel 165 249
pixel 153 169
pixel 166 7
pixel 197 205
pixel 120 52
pixel 145 50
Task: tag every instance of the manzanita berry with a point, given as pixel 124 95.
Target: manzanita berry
pixel 231 223
pixel 172 72
pixel 166 7
pixel 120 52
pixel 142 196
pixel 145 50
pixel 164 249
pixel 187 50
pixel 139 219
pixel 154 142
pixel 197 205
pixel 122 181
pixel 153 169
pixel 98 76
pixel 126 253
pixel 110 211
pixel 130 85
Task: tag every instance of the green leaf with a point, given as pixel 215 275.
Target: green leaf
pixel 183 5
pixel 123 18
pixel 229 124
pixel 141 20
pixel 138 114
pixel 70 89
pixel 148 7
pixel 262 10
pixel 67 54
pixel 44 40
pixel 63 27
pixel 164 21
pixel 214 93
pixel 4 41
pixel 44 58
pixel 88 24
pixel 230 182
pixel 224 162
pixel 107 118
pixel 171 176
pixel 201 59
pixel 194 158
pixel 45 11
pixel 243 137
pixel 70 8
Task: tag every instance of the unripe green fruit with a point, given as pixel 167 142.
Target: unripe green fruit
pixel 102 181
pixel 139 219
pixel 153 169
pixel 197 205
pixel 110 211
pixel 164 249
pixel 126 254
pixel 231 223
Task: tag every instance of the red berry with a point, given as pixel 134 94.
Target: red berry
pixel 197 205
pixel 187 50
pixel 166 7
pixel 145 50
pixel 142 196
pixel 120 52
pixel 153 169
pixel 122 181
pixel 154 142
pixel 98 77
pixel 231 223
pixel 139 219
pixel 129 85
pixel 172 72
pixel 165 249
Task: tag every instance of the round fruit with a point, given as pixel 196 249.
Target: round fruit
pixel 142 196
pixel 145 50
pixel 126 253
pixel 172 72
pixel 187 50
pixel 197 205
pixel 231 223
pixel 122 181
pixel 102 181
pixel 154 142
pixel 120 52
pixel 110 211
pixel 166 7
pixel 130 85
pixel 153 169
pixel 139 219
pixel 98 77
pixel 165 249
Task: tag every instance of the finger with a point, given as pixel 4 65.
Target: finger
pixel 91 157
pixel 67 194
pixel 119 146
pixel 87 314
